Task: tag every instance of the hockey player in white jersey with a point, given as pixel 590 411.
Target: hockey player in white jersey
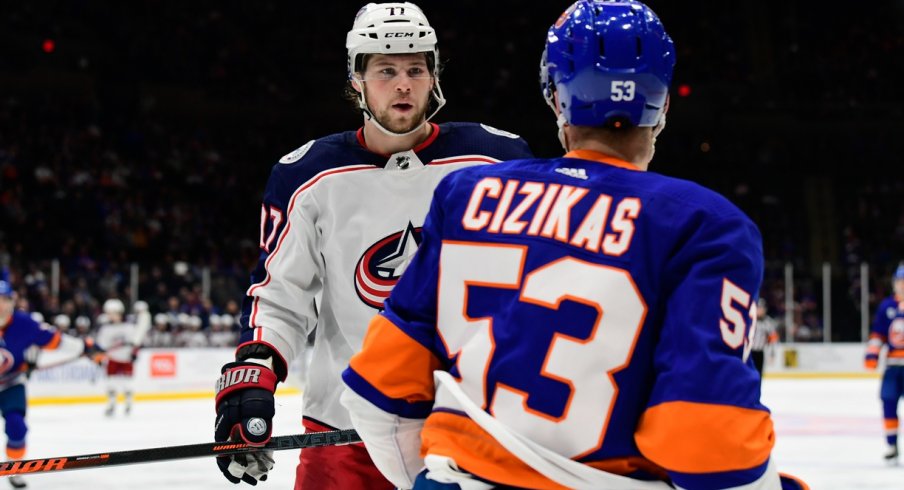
pixel 341 217
pixel 121 340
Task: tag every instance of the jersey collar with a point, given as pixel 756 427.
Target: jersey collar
pixel 601 157
pixel 424 144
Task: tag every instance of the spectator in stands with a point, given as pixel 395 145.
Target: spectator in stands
pixel 220 334
pixel 191 334
pixel 160 335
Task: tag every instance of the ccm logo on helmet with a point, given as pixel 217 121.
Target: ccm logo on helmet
pixel 399 34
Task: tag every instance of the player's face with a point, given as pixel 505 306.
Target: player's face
pixel 397 90
pixel 6 308
pixel 899 287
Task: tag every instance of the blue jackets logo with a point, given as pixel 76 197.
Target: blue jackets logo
pixel 382 264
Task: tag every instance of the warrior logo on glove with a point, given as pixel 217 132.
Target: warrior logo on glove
pixel 236 376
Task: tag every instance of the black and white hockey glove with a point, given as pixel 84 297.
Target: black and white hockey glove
pixel 245 409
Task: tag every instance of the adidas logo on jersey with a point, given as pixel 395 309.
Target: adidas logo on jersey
pixel 577 173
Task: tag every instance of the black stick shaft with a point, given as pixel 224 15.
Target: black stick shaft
pixel 278 443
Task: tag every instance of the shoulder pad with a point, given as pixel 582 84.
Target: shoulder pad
pixel 297 154
pixel 499 132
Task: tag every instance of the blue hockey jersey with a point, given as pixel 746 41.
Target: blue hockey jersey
pixel 16 337
pixel 888 331
pixel 599 311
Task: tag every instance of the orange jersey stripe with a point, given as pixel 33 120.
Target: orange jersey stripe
pixel 600 157
pixel 476 451
pixel 691 437
pixel 803 484
pixel 54 342
pixel 394 363
pixel 891 423
pixel 15 452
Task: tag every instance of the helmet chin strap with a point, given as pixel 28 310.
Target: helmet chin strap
pixel 437 94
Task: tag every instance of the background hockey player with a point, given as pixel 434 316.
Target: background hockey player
pixel 888 331
pixel 341 217
pixel 765 336
pixel 19 335
pixel 121 340
pixel 575 322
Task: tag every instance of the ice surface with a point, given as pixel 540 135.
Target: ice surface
pixel 829 433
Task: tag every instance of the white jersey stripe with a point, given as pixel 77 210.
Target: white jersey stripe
pixel 285 233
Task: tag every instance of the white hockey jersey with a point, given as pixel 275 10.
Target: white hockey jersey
pixel 339 224
pixel 120 339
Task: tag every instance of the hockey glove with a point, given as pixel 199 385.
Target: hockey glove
pixel 91 349
pixel 873 348
pixel 245 409
pixel 31 359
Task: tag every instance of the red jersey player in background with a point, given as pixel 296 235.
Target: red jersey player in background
pixel 20 334
pixel 575 322
pixel 121 340
pixel 888 332
pixel 341 218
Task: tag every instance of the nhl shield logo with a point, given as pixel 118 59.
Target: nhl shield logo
pixel 383 263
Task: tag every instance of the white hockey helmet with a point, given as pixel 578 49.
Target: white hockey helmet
pixel 140 307
pixel 215 320
pixel 82 322
pixel 114 306
pixel 62 321
pixel 389 28
pixel 392 28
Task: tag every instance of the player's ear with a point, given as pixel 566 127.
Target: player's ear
pixel 356 85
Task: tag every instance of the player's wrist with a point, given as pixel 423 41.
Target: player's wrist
pixel 263 352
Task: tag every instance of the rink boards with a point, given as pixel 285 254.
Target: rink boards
pixel 165 374
pixel 160 374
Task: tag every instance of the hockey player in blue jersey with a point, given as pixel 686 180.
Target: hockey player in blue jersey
pixel 19 335
pixel 888 332
pixel 575 322
pixel 342 216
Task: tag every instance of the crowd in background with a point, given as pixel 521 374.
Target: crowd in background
pixel 148 139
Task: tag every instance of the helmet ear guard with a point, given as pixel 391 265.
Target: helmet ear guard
pixel 610 62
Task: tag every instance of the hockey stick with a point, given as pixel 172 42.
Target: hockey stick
pixel 278 443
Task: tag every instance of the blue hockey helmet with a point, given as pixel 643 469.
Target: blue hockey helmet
pixel 6 288
pixel 899 273
pixel 608 60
